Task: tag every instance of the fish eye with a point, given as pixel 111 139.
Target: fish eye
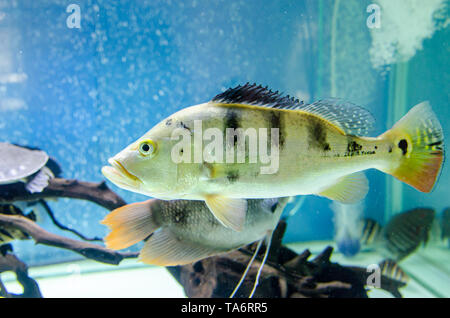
pixel 147 147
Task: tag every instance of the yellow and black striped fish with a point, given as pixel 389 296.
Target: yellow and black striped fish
pixel 8 233
pixel 250 143
pixel 390 268
pixel 406 231
pixel 370 232
pixel 402 235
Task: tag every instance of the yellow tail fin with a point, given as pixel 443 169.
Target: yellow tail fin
pixel 418 144
pixel 130 224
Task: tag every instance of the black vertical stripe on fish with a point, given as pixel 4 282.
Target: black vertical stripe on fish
pixel 391 269
pixel 275 119
pixel 370 232
pixel 6 233
pixel 406 231
pixel 232 120
pixel 5 248
pixel 445 224
pixel 317 135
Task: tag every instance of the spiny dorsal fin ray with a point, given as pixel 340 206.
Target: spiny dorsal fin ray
pixel 352 119
pixel 253 94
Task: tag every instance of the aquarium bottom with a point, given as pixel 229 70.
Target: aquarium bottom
pixel 427 269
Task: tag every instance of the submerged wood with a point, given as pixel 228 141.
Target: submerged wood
pixel 10 262
pixel 40 236
pixel 98 193
pixel 285 275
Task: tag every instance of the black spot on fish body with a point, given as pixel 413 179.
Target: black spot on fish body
pixel 179 217
pixel 180 124
pixel 403 145
pixel 198 267
pixel 390 149
pixel 353 146
pixel 169 122
pixel 233 175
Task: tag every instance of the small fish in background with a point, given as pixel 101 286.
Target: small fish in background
pixel 10 233
pixel 402 235
pixel 371 231
pixel 391 269
pixel 347 227
pixel 445 226
pixel 180 232
pixel 318 148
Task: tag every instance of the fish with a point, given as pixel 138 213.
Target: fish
pixel 402 235
pixel 445 225
pixel 179 232
pixel 391 269
pixel 347 224
pixel 252 143
pixel 10 233
pixel 370 232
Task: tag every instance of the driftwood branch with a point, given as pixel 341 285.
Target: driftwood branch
pixel 98 193
pixel 286 274
pixel 9 262
pixel 41 236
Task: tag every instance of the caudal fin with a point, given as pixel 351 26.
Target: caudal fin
pixel 129 224
pixel 418 144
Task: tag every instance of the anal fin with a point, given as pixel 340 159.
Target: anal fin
pixel 164 249
pixel 348 189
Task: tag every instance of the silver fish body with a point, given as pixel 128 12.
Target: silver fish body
pixel 183 231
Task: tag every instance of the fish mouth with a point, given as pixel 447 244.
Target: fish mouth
pixel 120 176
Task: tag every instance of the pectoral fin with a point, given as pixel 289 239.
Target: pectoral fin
pixel 348 189
pixel 229 212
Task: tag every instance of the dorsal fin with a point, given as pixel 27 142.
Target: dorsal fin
pixel 351 118
pixel 252 94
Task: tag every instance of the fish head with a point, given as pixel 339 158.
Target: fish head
pixel 144 166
